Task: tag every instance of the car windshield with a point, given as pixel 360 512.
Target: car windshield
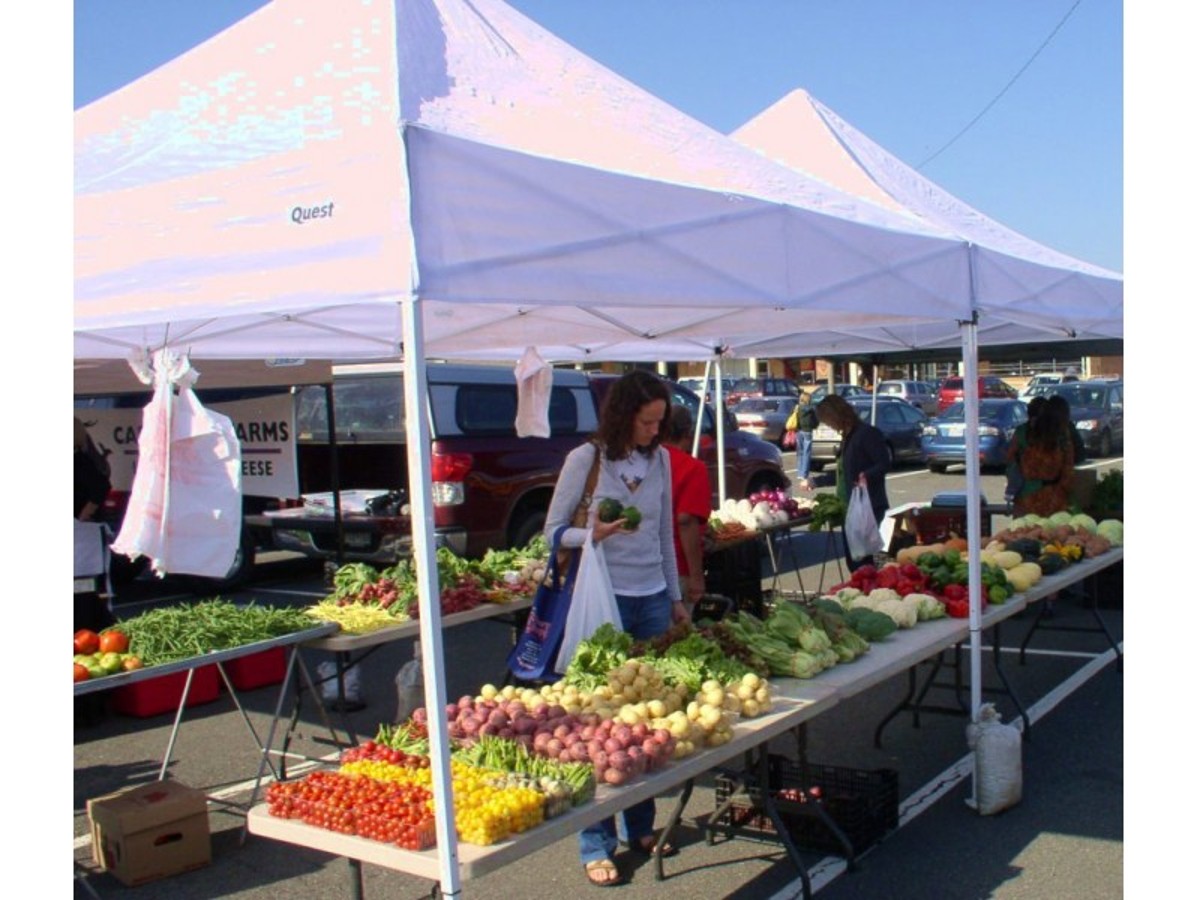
pixel 891 387
pixel 1080 394
pixel 986 410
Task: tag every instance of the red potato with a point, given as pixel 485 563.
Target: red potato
pixel 497 718
pixel 561 731
pixel 570 738
pixel 613 745
pixel 600 762
pixel 587 732
pixel 615 776
pixel 565 756
pixel 618 759
pixel 553 748
pixel 594 746
pixel 639 731
pixel 541 739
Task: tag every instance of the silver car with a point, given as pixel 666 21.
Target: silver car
pixel 919 393
pixel 764 417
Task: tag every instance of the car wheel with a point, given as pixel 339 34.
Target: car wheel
pixel 937 468
pixel 1106 443
pixel 527 528
pixel 891 452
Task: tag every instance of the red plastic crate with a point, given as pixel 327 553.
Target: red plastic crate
pixel 258 669
pixel 155 696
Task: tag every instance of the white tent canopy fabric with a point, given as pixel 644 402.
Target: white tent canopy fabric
pixel 1037 292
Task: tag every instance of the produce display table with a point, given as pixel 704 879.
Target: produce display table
pixel 350 649
pixel 795 703
pixel 290 642
pixel 733 566
pixel 956 631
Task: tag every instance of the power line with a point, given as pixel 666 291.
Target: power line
pixel 1003 90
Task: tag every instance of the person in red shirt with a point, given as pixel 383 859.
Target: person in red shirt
pixel 691 498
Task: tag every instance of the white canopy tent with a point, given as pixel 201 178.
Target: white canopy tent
pixel 1021 291
pixel 442 177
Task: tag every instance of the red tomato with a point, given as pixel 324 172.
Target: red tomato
pixel 113 641
pixel 87 642
pixel 81 673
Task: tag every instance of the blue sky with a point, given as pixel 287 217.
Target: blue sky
pixel 1045 159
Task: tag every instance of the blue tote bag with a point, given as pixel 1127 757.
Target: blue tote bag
pixel 533 657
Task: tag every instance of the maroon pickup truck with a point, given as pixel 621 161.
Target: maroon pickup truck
pixel 491 488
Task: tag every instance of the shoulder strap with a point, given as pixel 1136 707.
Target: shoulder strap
pixel 579 520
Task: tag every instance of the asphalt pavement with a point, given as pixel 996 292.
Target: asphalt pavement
pixel 1064 839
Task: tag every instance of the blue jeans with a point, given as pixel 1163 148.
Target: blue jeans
pixel 803 453
pixel 644 618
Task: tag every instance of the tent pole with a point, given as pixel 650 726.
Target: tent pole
pixel 971 436
pixel 417 433
pixel 720 411
pixel 699 424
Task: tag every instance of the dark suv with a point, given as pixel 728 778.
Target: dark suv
pixel 951 390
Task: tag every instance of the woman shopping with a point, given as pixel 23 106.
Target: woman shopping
pixel 1046 462
pixel 864 459
pixel 633 469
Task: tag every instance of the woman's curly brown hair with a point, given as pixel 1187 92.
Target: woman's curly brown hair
pixel 631 392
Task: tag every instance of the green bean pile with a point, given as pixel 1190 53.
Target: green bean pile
pixel 181 632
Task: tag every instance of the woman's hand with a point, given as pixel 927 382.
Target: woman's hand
pixel 693 588
pixel 680 612
pixel 862 479
pixel 604 530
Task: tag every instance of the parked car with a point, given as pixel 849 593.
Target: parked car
pixel 765 416
pixel 992 386
pixel 694 385
pixel 919 393
pixel 944 438
pixel 902 425
pixel 1046 379
pixel 761 387
pixel 817 394
pixel 1098 411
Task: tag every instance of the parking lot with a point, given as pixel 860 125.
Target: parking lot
pixel 1065 839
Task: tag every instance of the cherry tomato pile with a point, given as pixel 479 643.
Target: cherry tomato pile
pixel 376 752
pixel 400 814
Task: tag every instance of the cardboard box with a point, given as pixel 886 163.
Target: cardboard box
pixel 149 832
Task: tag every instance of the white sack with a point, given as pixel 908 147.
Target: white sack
pixel 997 762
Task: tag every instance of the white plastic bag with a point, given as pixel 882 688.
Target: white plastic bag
pixel 535 379
pixel 862 531
pixel 185 505
pixel 593 602
pixel 997 762
pixel 410 686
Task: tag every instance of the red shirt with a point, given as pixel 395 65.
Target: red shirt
pixel 691 492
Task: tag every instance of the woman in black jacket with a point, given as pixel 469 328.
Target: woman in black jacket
pixel 864 459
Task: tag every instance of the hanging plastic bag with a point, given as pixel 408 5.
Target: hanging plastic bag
pixel 410 686
pixel 593 603
pixel 535 379
pixel 185 505
pixel 997 748
pixel 789 439
pixel 862 531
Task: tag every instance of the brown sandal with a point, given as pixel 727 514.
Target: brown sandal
pixel 645 847
pixel 611 877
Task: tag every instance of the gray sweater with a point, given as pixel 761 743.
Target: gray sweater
pixel 640 562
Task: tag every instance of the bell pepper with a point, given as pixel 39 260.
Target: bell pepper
pixel 957 607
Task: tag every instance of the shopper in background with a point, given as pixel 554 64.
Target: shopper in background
pixel 635 470
pixel 863 459
pixel 1047 462
pixel 91 475
pixel 1016 446
pixel 691 497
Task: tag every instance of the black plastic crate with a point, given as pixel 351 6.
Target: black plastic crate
pixel 864 804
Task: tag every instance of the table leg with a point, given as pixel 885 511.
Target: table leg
pixel 187 690
pixel 672 821
pixel 356 879
pixel 1008 688
pixel 768 805
pixel 246 718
